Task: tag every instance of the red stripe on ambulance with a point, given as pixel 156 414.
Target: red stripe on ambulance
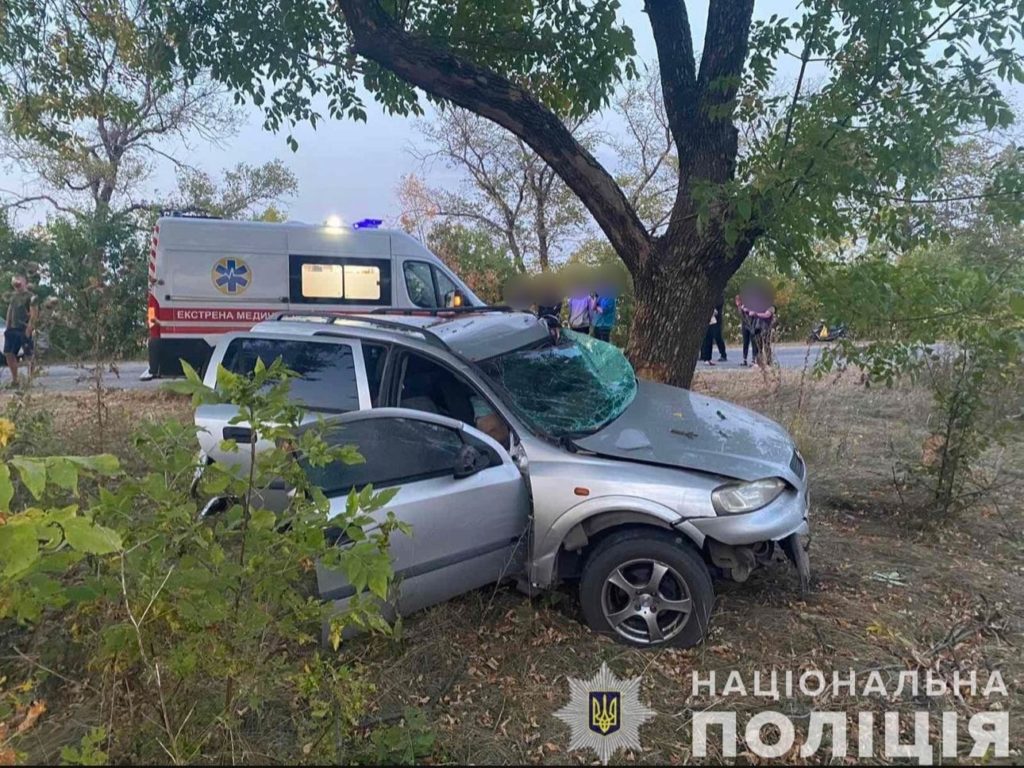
pixel 170 315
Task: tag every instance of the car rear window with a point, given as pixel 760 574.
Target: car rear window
pixel 326 371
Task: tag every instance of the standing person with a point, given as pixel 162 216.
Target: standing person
pixel 716 330
pixel 581 312
pixel 709 338
pixel 548 296
pixel 745 327
pixel 604 314
pixel 21 314
pixel 759 307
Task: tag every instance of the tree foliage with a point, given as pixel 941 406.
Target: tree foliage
pixel 950 316
pixel 243 192
pixel 895 85
pixel 86 104
pixel 508 191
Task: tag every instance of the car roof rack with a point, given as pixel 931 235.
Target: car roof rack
pixel 188 213
pixel 441 312
pixel 353 319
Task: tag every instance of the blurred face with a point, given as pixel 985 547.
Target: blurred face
pixel 19 283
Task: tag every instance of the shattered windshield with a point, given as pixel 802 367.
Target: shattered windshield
pixel 573 387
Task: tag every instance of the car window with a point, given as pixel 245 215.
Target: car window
pixel 326 371
pixel 374 358
pixel 425 385
pixel 445 288
pixel 362 282
pixel 395 451
pixel 428 386
pixel 419 284
pixel 323 281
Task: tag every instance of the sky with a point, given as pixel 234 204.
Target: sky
pixel 353 169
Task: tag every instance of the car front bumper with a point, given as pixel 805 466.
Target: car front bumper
pixel 784 517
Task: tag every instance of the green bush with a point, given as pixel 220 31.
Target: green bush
pixel 202 634
pixel 952 318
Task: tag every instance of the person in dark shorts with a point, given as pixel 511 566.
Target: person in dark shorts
pixel 21 312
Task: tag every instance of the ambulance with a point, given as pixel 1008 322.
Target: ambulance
pixel 211 276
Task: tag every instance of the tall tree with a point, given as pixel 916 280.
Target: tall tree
pixel 507 190
pixel 243 192
pixel 86 106
pixel 897 80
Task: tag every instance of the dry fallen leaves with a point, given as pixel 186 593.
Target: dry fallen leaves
pixel 35 711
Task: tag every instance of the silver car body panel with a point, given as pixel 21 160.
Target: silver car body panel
pixel 666 425
pixel 473 336
pixel 783 517
pixel 466 532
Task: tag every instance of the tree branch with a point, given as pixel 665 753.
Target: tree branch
pixel 26 201
pixel 448 76
pixel 672 38
pixel 721 66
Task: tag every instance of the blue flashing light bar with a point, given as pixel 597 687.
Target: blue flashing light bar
pixel 367 224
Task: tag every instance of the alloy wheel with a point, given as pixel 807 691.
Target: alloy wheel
pixel 646 601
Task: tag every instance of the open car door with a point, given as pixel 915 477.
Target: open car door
pixel 464 498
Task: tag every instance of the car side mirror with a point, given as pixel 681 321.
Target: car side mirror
pixel 468 462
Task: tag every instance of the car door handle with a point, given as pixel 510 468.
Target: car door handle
pixel 238 434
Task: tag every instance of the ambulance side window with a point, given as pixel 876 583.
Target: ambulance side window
pixel 428 286
pixel 339 280
pixel 420 284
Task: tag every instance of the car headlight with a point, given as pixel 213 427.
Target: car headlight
pixel 736 498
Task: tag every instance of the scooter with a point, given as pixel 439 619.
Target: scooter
pixel 823 333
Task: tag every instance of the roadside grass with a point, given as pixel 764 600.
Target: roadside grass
pixel 890 594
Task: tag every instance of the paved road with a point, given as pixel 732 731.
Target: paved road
pixel 793 356
pixel 70 378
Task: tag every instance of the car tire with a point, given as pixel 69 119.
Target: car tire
pixel 619 597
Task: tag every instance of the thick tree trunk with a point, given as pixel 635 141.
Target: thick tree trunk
pixel 674 300
pixel 678 276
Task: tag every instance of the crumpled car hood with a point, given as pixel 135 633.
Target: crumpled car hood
pixel 675 427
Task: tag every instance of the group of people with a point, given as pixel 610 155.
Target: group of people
pixel 590 313
pixel 755 305
pixel 589 294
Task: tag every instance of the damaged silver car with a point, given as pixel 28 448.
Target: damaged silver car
pixel 530 453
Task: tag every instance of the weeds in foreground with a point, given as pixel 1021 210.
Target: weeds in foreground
pixel 188 636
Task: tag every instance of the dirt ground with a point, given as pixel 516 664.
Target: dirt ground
pixel 891 593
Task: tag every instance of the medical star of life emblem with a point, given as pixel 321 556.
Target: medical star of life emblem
pixel 231 275
pixel 605 714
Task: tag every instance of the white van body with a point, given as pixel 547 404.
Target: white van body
pixel 209 276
